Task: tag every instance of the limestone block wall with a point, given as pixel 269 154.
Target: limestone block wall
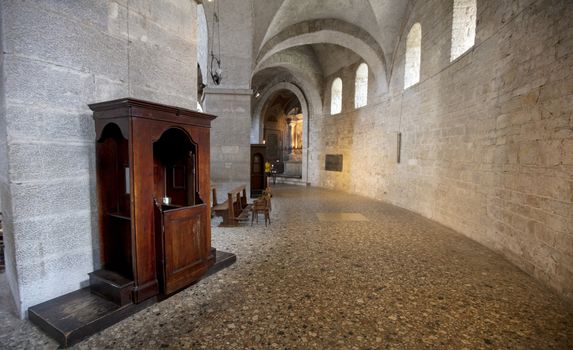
pixel 487 140
pixel 58 56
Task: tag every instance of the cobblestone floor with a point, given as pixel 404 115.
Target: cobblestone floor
pixel 322 277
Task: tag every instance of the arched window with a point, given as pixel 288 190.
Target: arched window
pixel 361 86
pixel 413 56
pixel 336 96
pixel 463 27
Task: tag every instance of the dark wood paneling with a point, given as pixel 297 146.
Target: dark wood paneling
pixel 184 255
pixel 258 176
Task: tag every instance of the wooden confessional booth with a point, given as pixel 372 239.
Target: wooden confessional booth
pixel 153 187
pixel 258 176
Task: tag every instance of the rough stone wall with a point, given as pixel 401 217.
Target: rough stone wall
pixel 487 140
pixel 59 56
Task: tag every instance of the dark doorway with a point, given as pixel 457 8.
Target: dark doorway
pixel 258 178
pixel 174 168
pixel 282 132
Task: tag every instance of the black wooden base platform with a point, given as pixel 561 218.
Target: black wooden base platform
pixel 77 315
pixel 222 260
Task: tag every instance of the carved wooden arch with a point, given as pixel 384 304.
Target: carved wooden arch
pixel 121 124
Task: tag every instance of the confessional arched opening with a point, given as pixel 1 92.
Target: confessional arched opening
pixel 113 160
pixel 174 169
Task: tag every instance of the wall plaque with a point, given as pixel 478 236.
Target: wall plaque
pixel 333 162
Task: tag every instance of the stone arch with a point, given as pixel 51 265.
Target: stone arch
pixel 358 12
pixel 320 25
pixel 257 122
pixel 304 81
pixel 330 31
pixel 300 61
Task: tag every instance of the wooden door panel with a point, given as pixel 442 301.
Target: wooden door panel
pixel 257 172
pixel 185 255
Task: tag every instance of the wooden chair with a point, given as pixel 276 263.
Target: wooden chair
pixel 270 195
pixel 262 205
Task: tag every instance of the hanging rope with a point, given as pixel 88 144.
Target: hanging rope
pixel 216 70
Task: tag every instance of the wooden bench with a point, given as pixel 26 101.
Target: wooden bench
pixel 234 209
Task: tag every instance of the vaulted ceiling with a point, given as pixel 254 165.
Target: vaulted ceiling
pixel 380 18
pixel 313 39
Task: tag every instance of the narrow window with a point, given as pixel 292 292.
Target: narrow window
pixel 413 56
pixel 361 86
pixel 463 27
pixel 336 96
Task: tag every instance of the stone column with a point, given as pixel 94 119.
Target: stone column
pixel 230 137
pixel 231 100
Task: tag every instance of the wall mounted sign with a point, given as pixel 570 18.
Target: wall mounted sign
pixel 333 162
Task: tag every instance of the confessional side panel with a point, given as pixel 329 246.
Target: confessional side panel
pixel 202 137
pixel 144 132
pixel 114 199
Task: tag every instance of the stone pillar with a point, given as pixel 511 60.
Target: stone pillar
pixel 231 100
pixel 230 138
pixel 58 56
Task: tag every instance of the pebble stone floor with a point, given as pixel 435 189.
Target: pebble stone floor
pixel 336 271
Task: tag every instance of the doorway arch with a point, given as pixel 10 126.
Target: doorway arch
pixel 258 122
